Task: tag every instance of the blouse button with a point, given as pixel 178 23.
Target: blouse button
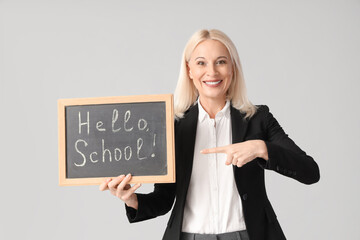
pixel 245 196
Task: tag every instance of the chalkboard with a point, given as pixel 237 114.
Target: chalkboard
pixel 109 136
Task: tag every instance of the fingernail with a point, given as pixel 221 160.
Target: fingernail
pixel 128 175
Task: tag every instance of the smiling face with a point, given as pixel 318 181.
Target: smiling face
pixel 211 70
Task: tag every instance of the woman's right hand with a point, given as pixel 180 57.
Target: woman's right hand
pixel 121 188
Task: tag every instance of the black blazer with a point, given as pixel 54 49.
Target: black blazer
pixel 285 157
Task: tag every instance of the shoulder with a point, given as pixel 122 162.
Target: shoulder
pixel 261 111
pixel 262 114
pixel 189 113
pixel 189 118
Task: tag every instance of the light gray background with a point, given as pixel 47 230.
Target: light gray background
pixel 301 58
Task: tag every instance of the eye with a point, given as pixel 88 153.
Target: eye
pixel 201 63
pixel 221 62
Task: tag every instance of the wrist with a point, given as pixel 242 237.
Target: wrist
pixel 133 202
pixel 262 150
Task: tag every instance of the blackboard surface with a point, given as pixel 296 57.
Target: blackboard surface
pixel 113 139
pixel 110 136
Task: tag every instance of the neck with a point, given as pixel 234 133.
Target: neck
pixel 212 106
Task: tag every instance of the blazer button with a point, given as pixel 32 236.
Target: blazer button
pixel 245 196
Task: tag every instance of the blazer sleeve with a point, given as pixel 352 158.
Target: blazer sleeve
pixel 285 157
pixel 153 204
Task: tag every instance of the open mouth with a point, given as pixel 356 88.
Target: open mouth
pixel 212 83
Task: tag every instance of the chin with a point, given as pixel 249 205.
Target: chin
pixel 214 96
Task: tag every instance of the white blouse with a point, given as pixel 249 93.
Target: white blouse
pixel 213 204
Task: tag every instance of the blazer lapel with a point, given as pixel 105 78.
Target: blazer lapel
pixel 238 124
pixel 188 133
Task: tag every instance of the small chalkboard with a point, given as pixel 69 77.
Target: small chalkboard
pixel 109 136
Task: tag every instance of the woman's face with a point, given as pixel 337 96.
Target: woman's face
pixel 210 69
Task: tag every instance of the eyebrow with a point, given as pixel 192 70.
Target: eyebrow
pixel 216 58
pixel 198 57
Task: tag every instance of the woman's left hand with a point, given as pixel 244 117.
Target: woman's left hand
pixel 241 153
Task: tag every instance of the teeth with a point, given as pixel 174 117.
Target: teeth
pixel 213 83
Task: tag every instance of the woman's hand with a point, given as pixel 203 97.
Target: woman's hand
pixel 121 188
pixel 241 153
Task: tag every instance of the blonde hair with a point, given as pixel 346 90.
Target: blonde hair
pixel 186 94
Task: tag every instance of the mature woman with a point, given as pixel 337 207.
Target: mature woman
pixel 223 144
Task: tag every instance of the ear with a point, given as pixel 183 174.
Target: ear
pixel 189 71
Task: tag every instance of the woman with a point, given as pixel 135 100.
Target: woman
pixel 217 126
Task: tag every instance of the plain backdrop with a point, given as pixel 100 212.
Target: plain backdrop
pixel 301 58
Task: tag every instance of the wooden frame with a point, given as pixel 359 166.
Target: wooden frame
pixel 167 98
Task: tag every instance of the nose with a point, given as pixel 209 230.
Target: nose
pixel 211 70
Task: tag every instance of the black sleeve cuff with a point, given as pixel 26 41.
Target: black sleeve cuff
pixel 130 213
pixel 263 163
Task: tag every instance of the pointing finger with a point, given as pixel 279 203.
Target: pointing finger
pixel 214 150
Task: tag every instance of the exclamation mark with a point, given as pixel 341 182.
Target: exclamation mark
pixel 153 155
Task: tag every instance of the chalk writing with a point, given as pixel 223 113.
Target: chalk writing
pixel 139 145
pixel 114 119
pixel 84 123
pixel 142 121
pixel 106 154
pixel 126 119
pixel 114 139
pixel 77 149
